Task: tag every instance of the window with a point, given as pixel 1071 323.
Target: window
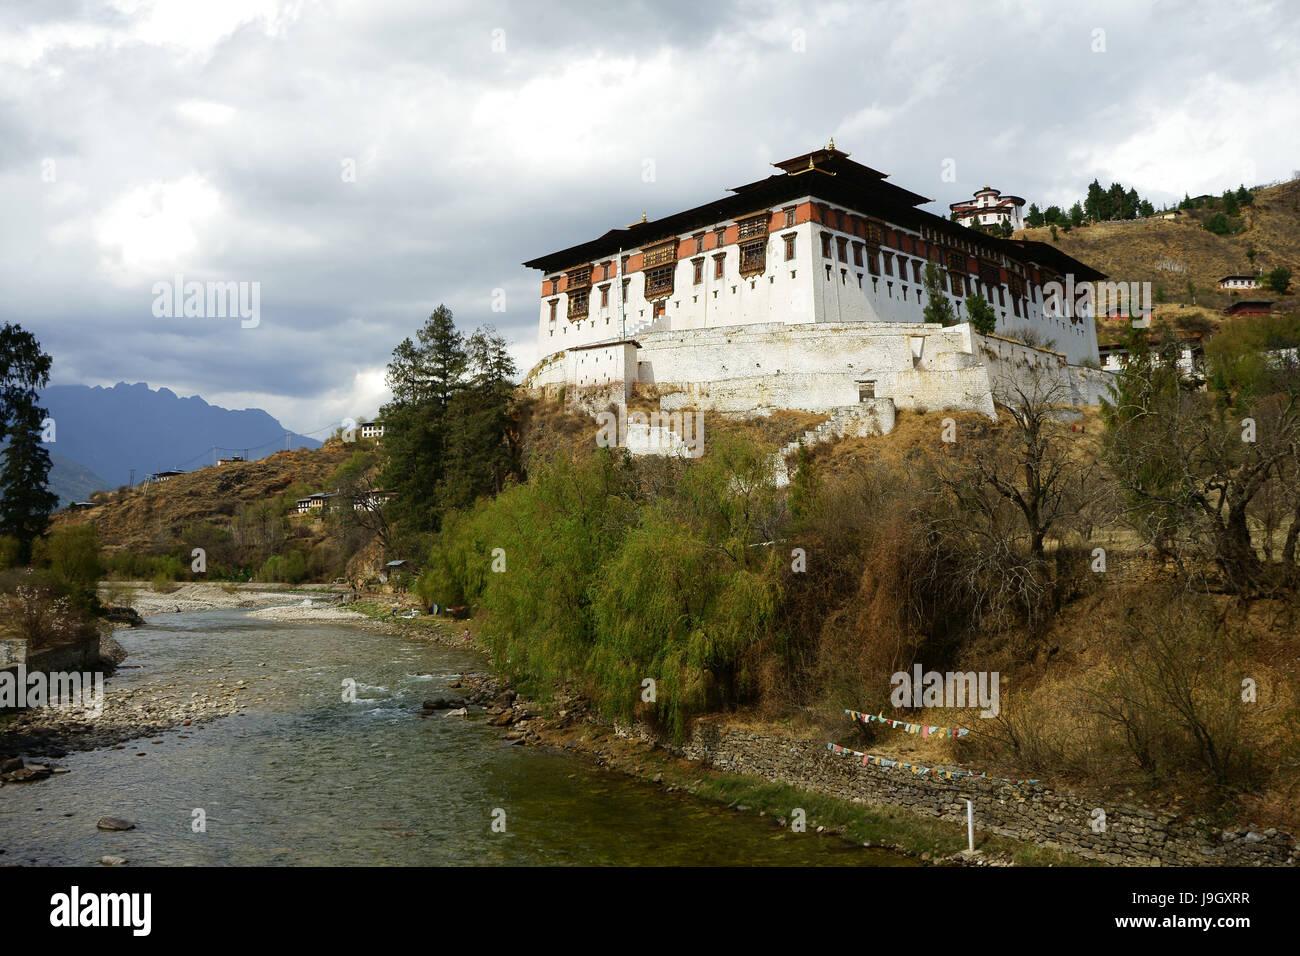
pixel 857 254
pixel 622 266
pixel 659 281
pixel 579 278
pixel 719 262
pixel 661 307
pixel 789 216
pixel 843 245
pixel 753 226
pixel 604 296
pixel 697 268
pixel 604 271
pixel 720 238
pixel 888 257
pixel 555 286
pixel 789 246
pixel 957 287
pixel 579 305
pixel 872 267
pixel 916 270
pixel 553 304
pixel 626 283
pixel 753 257
pixel 826 244
pixel 902 268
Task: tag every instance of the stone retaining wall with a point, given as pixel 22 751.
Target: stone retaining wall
pixel 1032 813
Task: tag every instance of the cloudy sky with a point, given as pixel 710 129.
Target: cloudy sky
pixel 364 162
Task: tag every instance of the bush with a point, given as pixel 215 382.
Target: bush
pixel 11 551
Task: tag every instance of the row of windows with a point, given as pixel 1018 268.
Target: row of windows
pixel 659 279
pixel 666 251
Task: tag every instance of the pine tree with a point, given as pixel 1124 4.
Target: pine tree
pixel 982 317
pixel 1094 204
pixel 424 376
pixel 1035 217
pixel 937 307
pixel 25 501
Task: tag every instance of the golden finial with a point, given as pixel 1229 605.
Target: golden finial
pixel 810 163
pixel 643 215
pixel 832 145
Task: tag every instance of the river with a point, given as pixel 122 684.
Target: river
pixel 304 777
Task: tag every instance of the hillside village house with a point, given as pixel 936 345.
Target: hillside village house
pixel 1239 283
pixel 162 476
pixel 372 429
pixel 233 459
pixel 990 208
pixel 316 502
pixel 804 290
pixel 1249 308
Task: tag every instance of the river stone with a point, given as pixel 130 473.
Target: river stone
pixel 11 763
pixel 114 823
pixel 458 712
pixel 112 860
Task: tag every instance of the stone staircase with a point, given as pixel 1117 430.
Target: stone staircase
pixel 871 417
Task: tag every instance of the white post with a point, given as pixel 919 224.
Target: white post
pixel 970 826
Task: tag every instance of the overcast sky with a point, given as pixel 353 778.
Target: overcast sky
pixel 140 140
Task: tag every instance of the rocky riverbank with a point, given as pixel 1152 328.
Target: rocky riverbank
pixel 48 733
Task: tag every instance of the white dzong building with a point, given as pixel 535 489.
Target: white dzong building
pixel 990 208
pixel 800 290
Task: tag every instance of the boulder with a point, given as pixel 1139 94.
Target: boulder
pixel 114 823
pixel 458 712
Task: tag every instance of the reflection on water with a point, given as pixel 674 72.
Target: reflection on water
pixel 305 778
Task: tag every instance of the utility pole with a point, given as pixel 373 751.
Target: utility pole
pixel 131 481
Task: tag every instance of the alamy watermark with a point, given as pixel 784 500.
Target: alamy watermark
pixel 953 689
pixel 656 433
pixel 1083 300
pixel 177 299
pixel 62 689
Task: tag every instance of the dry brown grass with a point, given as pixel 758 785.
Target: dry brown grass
pixel 143 518
pixel 1132 252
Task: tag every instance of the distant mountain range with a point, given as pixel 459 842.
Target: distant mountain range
pixel 72 482
pixel 101 434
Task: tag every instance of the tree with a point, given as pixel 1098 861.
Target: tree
pixel 1230 203
pixel 1095 202
pixel 1195 464
pixel 1279 279
pixel 1035 217
pixel 937 307
pixel 1054 234
pixel 1076 215
pixel 982 317
pixel 1244 196
pixel 1146 209
pixel 483 446
pixel 423 377
pixel 25 500
pixel 1020 487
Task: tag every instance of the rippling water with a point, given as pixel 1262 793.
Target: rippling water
pixel 305 778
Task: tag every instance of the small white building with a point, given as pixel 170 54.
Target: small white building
pixel 372 429
pixel 990 208
pixel 316 502
pixel 1241 283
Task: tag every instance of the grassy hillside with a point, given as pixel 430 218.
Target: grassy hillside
pixel 149 518
pixel 1170 254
